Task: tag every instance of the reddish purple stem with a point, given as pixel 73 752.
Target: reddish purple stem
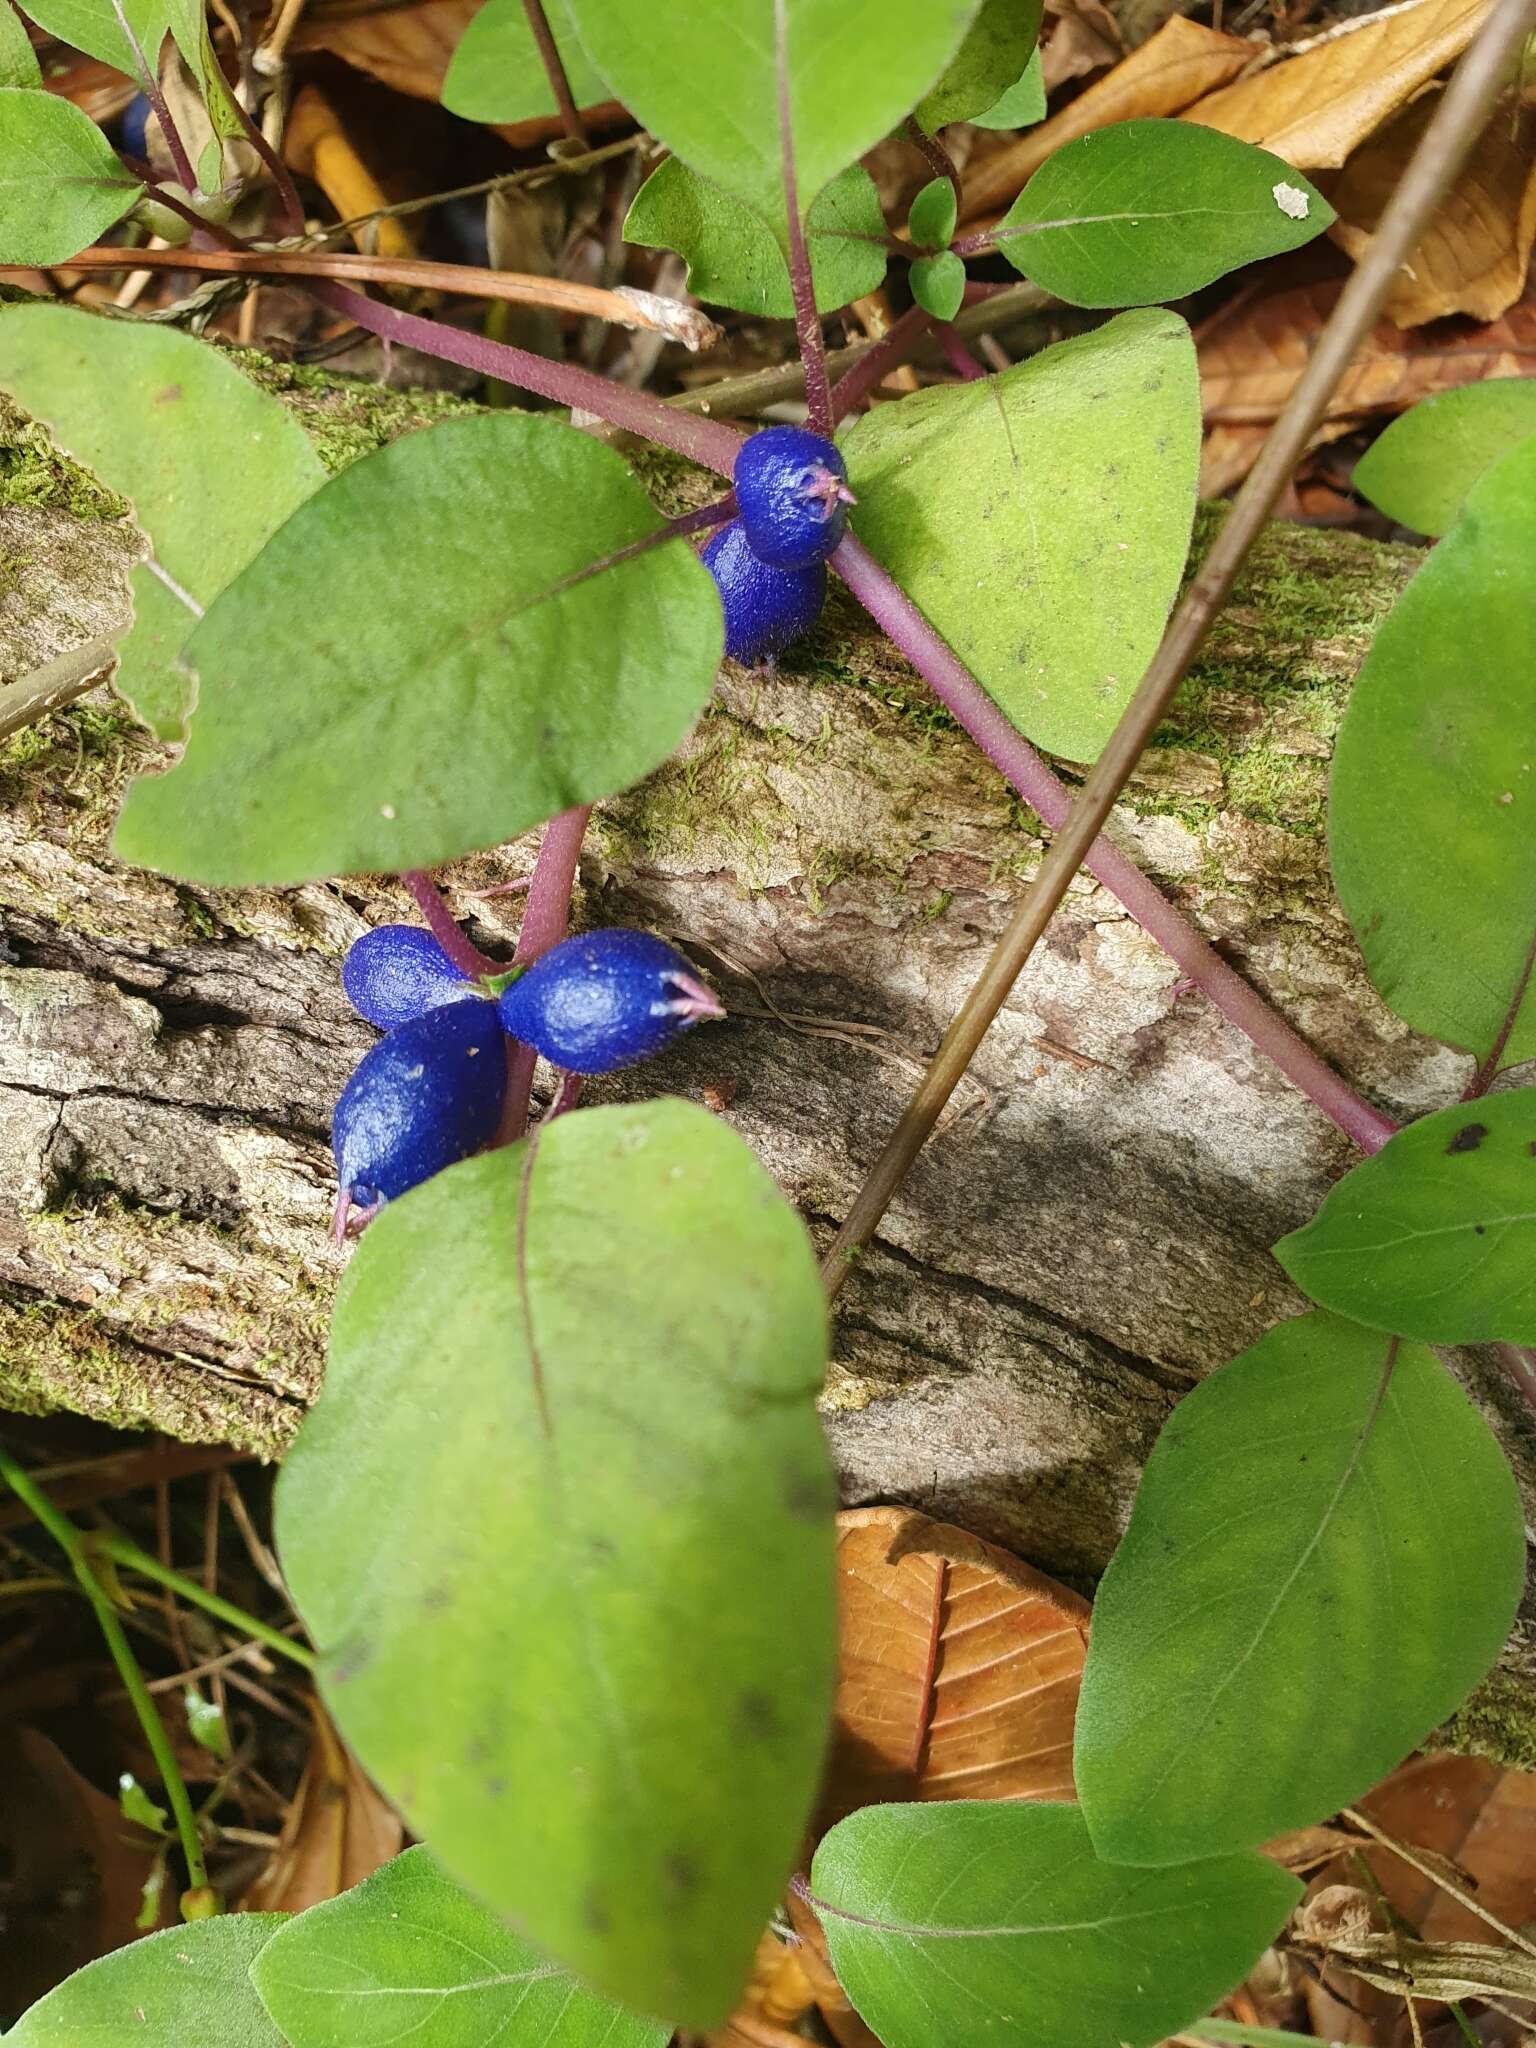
pixel 813 349
pixel 546 917
pixel 444 926
pixel 891 349
pixel 958 356
pixel 710 443
pixel 957 688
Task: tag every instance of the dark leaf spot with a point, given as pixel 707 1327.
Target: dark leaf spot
pixel 757 1715
pixel 1481 1229
pixel 351 1659
pixel 681 1871
pixel 169 396
pixel 596 1914
pixel 1468 1138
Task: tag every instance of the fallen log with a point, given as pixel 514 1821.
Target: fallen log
pixel 1086 1237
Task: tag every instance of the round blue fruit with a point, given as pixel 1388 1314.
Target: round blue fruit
pixel 765 608
pixel 428 1094
pixel 793 496
pixel 397 972
pixel 605 1000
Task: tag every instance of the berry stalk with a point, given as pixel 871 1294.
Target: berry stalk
pixel 546 918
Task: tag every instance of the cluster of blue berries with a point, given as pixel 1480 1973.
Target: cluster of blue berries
pixel 431 1091
pixel 769 563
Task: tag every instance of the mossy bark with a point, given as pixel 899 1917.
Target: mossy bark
pixel 1085 1238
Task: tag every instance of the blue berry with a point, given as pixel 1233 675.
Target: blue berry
pixel 605 1000
pixel 765 608
pixel 427 1094
pixel 398 972
pixel 792 493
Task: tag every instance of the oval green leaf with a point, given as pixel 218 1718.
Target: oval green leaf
pixel 989 1921
pixel 96 27
pixel 1432 801
pixel 563 1486
pixel 705 80
pixel 1329 1502
pixel 409 1955
pixel 1435 1237
pixel 430 658
pixel 147 409
pixel 931 217
pixel 496 74
pixel 1150 210
pixel 938 284
pixel 1041 519
pixel 733 258
pixel 1022 105
pixel 999 45
pixel 1420 470
pixel 189 1984
pixel 18 60
pixel 61 184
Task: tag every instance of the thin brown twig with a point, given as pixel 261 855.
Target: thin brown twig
pixel 1463 111
pixel 623 306
pixel 554 71
pixel 1463 1898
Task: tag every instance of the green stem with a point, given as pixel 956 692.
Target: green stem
pixel 69 1540
pixel 122 1552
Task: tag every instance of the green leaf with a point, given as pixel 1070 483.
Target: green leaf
pixel 938 284
pixel 60 183
pixel 408 1954
pixel 495 73
pixel 562 1489
pixel 146 407
pixel 733 259
pixel 1435 1237
pixel 1312 1507
pixel 1022 104
pixel 704 79
pixel 1432 802
pixel 1420 470
pixel 93 26
pixel 189 1984
pixel 1149 210
pixel 18 60
pixel 931 220
pixel 1041 519
pixel 419 663
pixel 989 1921
pixel 1000 43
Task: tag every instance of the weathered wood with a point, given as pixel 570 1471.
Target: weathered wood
pixel 1088 1236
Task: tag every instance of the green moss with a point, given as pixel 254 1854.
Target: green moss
pixel 33 472
pixel 347 417
pixel 1499 1721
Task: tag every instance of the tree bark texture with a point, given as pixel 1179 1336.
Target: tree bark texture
pixel 1088 1234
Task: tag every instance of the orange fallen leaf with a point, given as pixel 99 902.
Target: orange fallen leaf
pixel 1249 363
pixel 1476 251
pixel 1314 108
pixel 1228 452
pixel 338 1831
pixel 959 1668
pixel 1169 72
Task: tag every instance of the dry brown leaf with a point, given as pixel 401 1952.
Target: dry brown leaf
pixel 1477 249
pixel 959 1668
pixel 96 89
pixel 72 1870
pixel 338 1831
pixel 1315 108
pixel 1168 73
pixel 406 48
pixel 1078 36
pixel 1249 363
pixel 832 2002
pixel 1228 452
